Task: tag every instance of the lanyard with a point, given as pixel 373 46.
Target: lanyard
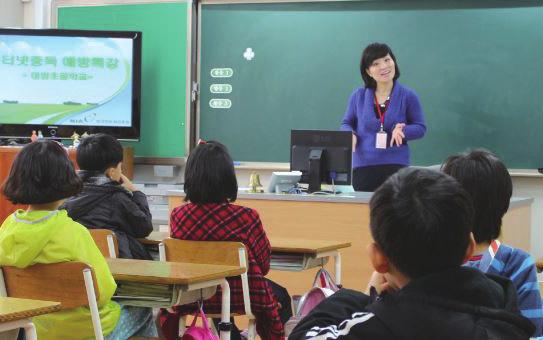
pixel 381 114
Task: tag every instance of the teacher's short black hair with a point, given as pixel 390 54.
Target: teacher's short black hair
pixel 487 180
pixel 99 152
pixel 421 219
pixel 210 175
pixel 371 53
pixel 41 173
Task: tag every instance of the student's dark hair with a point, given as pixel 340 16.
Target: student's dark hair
pixel 371 53
pixel 99 152
pixel 41 173
pixel 488 182
pixel 421 219
pixel 210 175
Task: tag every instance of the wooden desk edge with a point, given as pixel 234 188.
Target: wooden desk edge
pixel 226 271
pixel 45 308
pixel 302 250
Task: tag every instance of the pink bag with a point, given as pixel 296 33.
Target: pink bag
pixel 323 287
pixel 194 332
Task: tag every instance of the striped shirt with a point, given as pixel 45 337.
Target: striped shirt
pixel 519 267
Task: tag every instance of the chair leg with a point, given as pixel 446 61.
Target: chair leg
pixel 252 329
pixel 30 331
pixel 182 325
pixel 225 308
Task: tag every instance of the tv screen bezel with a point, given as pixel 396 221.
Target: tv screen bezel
pixel 131 133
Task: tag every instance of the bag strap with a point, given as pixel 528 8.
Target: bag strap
pixel 204 319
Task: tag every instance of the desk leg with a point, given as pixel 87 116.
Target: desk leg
pixel 225 308
pixel 26 324
pixel 337 262
pixel 30 331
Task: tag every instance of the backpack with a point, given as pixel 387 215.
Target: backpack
pixel 323 287
pixel 194 332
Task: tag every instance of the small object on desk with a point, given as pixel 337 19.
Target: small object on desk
pixel 34 136
pixel 40 135
pixel 75 139
pixel 84 135
pixel 254 184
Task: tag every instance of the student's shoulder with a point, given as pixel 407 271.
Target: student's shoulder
pixel 244 211
pixel 71 227
pixel 515 256
pixel 343 315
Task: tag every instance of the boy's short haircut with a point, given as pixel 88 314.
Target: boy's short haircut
pixel 421 219
pixel 99 152
pixel 210 175
pixel 489 184
pixel 41 173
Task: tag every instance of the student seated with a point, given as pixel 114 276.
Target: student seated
pixel 489 184
pixel 42 176
pixel 210 188
pixel 108 199
pixel 420 221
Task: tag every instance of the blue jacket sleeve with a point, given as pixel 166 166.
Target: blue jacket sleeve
pixel 524 278
pixel 415 126
pixel 349 121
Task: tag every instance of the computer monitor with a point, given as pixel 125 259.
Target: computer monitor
pixel 322 157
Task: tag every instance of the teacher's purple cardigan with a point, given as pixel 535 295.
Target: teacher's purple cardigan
pixel 360 118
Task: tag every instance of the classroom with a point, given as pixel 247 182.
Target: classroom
pixel 259 76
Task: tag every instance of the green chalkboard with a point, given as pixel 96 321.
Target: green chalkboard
pixel 476 65
pixel 164 60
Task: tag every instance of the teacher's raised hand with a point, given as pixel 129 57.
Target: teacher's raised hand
pixel 397 135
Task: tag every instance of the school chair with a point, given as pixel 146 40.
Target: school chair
pixel 211 252
pixel 74 286
pixel 106 241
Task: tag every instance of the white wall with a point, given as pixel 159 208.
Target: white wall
pixel 11 13
pixel 532 187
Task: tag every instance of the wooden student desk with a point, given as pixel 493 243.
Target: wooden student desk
pixel 342 217
pixel 17 313
pixel 312 249
pixel 190 279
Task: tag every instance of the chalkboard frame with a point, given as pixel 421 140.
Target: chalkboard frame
pixel 189 108
pixel 504 4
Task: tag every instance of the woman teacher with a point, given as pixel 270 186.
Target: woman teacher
pixel 383 116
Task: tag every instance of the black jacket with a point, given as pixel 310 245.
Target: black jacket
pixel 106 204
pixel 461 303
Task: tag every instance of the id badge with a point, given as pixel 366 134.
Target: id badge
pixel 381 140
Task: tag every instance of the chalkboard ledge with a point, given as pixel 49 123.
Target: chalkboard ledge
pixel 525 173
pixel 262 166
pixel 179 161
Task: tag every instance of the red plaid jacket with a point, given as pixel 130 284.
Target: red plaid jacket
pixel 230 222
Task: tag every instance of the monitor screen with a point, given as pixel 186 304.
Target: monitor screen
pixel 322 157
pixel 66 81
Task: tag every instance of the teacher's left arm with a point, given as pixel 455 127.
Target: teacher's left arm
pixel 415 126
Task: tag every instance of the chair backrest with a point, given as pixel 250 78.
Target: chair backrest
pixel 209 252
pixel 63 282
pixel 106 241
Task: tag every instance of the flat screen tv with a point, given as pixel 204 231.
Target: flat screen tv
pixel 66 81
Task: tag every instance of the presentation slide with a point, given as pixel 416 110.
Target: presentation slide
pixel 65 80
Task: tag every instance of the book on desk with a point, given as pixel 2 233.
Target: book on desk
pixel 295 261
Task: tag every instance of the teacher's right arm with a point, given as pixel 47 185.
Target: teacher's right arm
pixel 349 122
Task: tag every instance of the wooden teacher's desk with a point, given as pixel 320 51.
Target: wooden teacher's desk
pixel 342 217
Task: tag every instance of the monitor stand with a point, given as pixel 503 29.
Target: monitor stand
pixel 316 161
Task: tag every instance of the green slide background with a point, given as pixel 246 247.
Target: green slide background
pixel 476 65
pixel 164 54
